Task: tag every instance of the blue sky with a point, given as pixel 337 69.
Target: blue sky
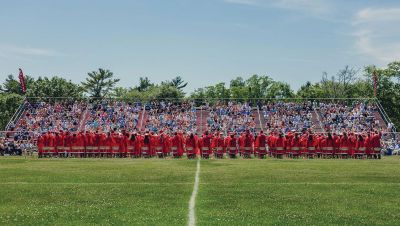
pixel 204 41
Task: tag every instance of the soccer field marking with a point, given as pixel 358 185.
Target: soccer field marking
pixel 192 202
pixel 190 183
pixel 312 183
pixel 92 183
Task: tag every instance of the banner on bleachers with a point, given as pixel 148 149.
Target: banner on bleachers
pixel 22 81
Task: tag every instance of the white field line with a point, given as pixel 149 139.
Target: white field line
pixel 91 183
pixel 189 183
pixel 192 202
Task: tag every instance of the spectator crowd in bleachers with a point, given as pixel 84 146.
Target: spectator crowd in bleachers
pixel 170 117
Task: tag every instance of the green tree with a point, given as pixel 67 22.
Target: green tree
pixel 169 92
pixel 9 103
pixel 310 91
pixel 55 87
pixel 237 82
pixel 12 85
pixel 144 84
pixel 393 70
pixel 178 83
pixel 280 90
pixel 100 83
pixel 258 86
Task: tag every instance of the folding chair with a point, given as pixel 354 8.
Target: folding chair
pixel 343 152
pixel 279 152
pixel 219 152
pixel 247 152
pixel 360 152
pixel 232 151
pixel 262 152
pixel 190 153
pixel 205 152
pixel 145 152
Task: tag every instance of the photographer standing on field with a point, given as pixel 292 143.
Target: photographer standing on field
pixel 2 147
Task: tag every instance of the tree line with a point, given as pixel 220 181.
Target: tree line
pixel 347 83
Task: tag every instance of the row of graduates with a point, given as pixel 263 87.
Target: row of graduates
pixel 176 144
pixel 328 144
pixel 137 144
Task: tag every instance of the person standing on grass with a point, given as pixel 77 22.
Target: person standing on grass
pixel 361 146
pixel 145 145
pixel 376 144
pixel 247 144
pixel 205 145
pixel 123 144
pixel 59 140
pixel 191 144
pixel 177 145
pixel 261 145
pixel 81 144
pixel 231 144
pixel 131 145
pixel 345 146
pixel 279 145
pixel 218 145
pixel 295 145
pixel 40 145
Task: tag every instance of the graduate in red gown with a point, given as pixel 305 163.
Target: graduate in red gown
pixel 279 146
pixel 49 144
pixel 295 145
pixel 96 137
pixel 67 144
pixel 145 146
pixel 328 145
pixel 88 143
pixel 205 145
pixel 360 147
pixel 160 144
pixel 123 144
pixel 165 140
pixel 345 146
pixel 177 145
pixel 231 144
pixel 59 140
pixel 115 144
pixel 218 145
pixel 40 145
pixel 108 141
pixel 311 145
pixel 247 144
pixel 260 145
pixel 191 144
pixel 132 145
pixel 376 144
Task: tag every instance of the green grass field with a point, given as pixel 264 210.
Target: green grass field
pixel 231 192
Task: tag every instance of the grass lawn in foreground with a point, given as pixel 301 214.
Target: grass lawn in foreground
pixel 94 191
pixel 299 192
pixel 231 192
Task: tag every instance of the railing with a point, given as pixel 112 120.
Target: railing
pixel 201 119
pixel 142 118
pixel 384 115
pixel 319 120
pixel 16 116
pixel 259 117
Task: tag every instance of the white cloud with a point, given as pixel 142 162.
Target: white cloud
pixel 376 35
pixel 316 7
pixel 17 51
pixel 371 15
pixel 242 2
